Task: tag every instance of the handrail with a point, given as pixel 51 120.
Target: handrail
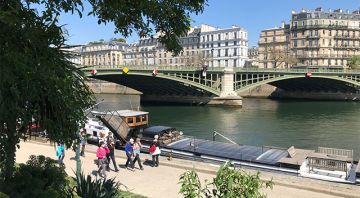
pixel 222 69
pixel 223 136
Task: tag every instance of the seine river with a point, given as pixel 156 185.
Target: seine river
pixel 304 124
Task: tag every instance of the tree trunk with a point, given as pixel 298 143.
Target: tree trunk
pixel 9 142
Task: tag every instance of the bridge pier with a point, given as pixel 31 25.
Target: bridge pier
pixel 228 97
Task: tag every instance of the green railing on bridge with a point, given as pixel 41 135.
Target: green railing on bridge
pixel 221 69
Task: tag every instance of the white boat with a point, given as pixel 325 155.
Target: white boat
pixel 94 128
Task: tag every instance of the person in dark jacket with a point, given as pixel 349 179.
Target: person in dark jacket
pixel 111 155
pixel 129 153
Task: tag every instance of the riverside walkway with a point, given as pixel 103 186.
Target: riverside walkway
pixel 162 181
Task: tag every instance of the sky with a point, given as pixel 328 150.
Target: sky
pixel 254 16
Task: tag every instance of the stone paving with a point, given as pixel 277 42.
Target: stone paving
pixel 162 181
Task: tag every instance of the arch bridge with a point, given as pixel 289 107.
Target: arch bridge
pixel 223 85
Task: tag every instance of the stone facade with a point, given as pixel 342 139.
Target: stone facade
pixel 103 53
pixel 316 39
pixel 202 46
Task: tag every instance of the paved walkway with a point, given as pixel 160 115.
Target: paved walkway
pixel 162 181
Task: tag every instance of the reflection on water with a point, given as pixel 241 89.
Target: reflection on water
pixel 303 124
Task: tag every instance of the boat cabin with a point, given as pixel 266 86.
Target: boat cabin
pixel 134 118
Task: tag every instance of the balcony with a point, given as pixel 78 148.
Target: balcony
pixel 323 56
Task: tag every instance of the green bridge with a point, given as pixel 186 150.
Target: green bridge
pixel 223 85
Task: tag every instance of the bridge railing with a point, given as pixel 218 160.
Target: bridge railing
pixel 151 67
pixel 302 71
pixel 221 69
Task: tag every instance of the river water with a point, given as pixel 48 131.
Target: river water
pixel 261 122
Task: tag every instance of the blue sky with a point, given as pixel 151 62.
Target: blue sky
pixel 253 15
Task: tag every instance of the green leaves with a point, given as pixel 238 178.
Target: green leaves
pixel 229 182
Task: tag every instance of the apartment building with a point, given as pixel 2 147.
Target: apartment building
pixel 274 47
pixel 253 57
pixel 224 47
pixel 103 53
pixel 202 46
pixel 318 38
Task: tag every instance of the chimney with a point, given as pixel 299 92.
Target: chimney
pixel 283 24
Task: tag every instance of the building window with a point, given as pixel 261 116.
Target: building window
pixel 234 51
pixel 235 43
pixel 226 63
pixel 226 43
pixel 219 52
pixel 219 44
pixel 226 52
pixel 235 35
pixel 218 63
pixel 212 37
pixel 219 37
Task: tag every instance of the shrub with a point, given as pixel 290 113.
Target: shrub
pixel 229 182
pixel 89 188
pixel 39 177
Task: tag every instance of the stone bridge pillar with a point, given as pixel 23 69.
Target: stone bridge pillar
pixel 228 96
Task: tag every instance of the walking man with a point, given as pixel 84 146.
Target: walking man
pixel 111 155
pixel 101 153
pixel 137 147
pixel 129 153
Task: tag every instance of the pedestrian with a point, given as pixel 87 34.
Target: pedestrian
pixel 102 138
pixel 83 142
pixel 60 153
pixel 110 137
pixel 102 162
pixel 111 155
pixel 155 154
pixel 129 153
pixel 137 148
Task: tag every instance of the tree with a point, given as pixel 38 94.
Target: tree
pixel 36 79
pixel 355 62
pixel 229 182
pixel 122 40
pixel 279 55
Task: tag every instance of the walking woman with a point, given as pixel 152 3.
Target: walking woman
pixel 137 147
pixel 101 155
pixel 157 152
pixel 60 153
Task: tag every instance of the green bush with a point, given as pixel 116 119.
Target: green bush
pixel 229 182
pixel 3 195
pixel 89 188
pixel 39 177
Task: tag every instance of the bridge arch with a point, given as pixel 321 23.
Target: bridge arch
pixel 322 83
pixel 162 83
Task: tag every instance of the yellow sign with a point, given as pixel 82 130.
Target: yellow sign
pixel 125 70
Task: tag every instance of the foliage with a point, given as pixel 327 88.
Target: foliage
pixel 36 79
pixel 355 62
pixel 229 182
pixel 39 177
pixel 86 187
pixel 190 185
pixel 122 40
pixel 3 195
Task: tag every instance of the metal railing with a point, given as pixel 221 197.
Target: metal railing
pixel 339 152
pixel 222 69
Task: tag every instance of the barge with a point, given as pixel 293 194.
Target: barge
pixel 328 164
